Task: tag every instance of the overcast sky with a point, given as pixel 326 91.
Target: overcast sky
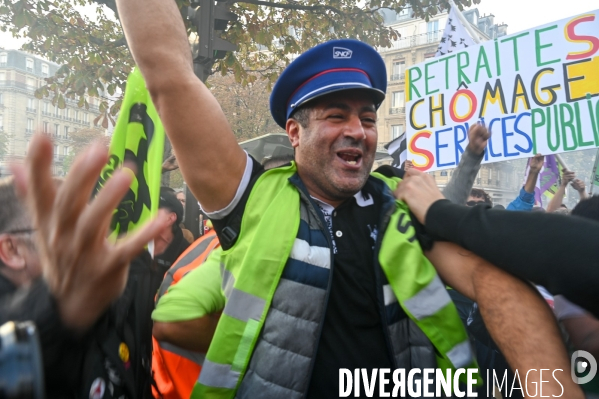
pixel 519 15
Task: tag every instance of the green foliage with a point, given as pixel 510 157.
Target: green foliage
pixel 96 61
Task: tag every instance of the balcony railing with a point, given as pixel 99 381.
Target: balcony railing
pixel 28 131
pixel 397 110
pixel 400 76
pixel 29 109
pixel 414 41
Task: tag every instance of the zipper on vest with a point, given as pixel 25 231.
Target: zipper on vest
pixel 327 235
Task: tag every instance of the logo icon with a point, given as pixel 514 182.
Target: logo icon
pixel 583 362
pixel 341 52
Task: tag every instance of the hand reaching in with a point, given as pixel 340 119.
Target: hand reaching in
pixel 83 270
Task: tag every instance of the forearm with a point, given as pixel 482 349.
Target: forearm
pixel 528 245
pixel 524 329
pixel 557 199
pixel 583 194
pixel 194 335
pixel 460 184
pixel 531 182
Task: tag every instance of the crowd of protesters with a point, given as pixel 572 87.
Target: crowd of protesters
pixel 309 267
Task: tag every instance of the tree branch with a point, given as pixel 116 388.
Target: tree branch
pixel 292 6
pixel 122 41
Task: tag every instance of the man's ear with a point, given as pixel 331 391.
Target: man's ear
pixel 172 218
pixel 293 128
pixel 10 253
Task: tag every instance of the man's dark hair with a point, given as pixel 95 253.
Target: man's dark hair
pixel 168 200
pixel 478 193
pixel 13 216
pixel 587 208
pixel 302 116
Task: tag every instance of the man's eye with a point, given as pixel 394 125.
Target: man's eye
pixel 368 120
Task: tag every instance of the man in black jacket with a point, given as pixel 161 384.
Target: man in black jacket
pixel 83 273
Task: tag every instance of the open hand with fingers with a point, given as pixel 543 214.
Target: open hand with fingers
pixel 84 271
pixel 419 191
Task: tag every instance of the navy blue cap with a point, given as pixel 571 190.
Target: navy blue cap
pixel 332 66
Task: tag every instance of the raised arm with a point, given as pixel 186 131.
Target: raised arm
pixel 211 161
pixel 557 199
pixel 517 317
pixel 458 188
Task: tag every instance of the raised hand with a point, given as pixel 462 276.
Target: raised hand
pixel 478 136
pixel 83 270
pixel 419 191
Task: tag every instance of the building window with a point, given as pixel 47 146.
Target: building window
pixel 45 70
pixel 30 105
pixel 432 31
pixel 2 76
pixel 46 127
pixel 396 131
pixel 77 116
pixel 65 150
pixel 29 125
pixel 1 98
pixel 55 152
pixel 398 70
pixel 31 83
pixel 3 59
pixel 85 117
pixel 1 123
pixel 398 99
pixel 29 64
pixel 46 109
pixel 56 129
pixel 66 132
pixel 443 173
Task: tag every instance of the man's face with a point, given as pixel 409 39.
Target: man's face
pixel 472 201
pixel 181 198
pixel 335 152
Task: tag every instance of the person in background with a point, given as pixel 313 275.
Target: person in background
pixel 181 197
pixel 71 245
pixel 526 198
pixel 171 242
pixel 478 196
pixel 556 204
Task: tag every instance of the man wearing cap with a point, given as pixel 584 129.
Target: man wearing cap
pixel 170 243
pixel 322 269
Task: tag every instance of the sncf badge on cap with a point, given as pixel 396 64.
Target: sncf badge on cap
pixel 340 52
pixel 336 65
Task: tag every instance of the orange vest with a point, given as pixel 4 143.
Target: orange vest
pixel 176 370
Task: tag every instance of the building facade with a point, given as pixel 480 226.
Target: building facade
pixel 21 114
pixel 418 41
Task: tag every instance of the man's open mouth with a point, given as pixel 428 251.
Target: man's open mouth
pixel 350 157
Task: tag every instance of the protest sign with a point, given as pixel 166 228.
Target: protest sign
pixel 537 91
